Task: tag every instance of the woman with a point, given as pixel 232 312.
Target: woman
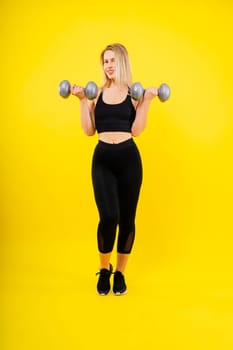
pixel 116 164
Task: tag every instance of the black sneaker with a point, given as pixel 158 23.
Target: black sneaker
pixel 119 286
pixel 103 285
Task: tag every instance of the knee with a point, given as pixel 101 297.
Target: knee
pixel 126 227
pixel 108 221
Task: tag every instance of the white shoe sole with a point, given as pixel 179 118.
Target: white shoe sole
pixel 119 294
pixel 102 294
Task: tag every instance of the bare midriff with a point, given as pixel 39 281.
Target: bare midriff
pixel 114 136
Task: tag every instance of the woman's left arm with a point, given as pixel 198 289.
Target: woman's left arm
pixel 142 109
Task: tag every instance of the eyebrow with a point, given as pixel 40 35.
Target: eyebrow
pixel 109 59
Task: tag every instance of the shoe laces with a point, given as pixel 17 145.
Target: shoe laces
pixel 104 271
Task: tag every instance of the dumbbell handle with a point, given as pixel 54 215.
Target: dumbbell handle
pixel 137 91
pixel 90 90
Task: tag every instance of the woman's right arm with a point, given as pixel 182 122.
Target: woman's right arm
pixel 86 110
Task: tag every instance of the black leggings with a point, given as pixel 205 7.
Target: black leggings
pixel 117 178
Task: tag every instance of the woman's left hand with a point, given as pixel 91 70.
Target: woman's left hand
pixel 150 93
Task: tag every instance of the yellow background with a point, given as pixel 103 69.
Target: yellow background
pixel 180 273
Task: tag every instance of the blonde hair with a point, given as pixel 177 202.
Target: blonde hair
pixel 123 67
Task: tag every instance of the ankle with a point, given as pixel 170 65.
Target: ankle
pixel 106 267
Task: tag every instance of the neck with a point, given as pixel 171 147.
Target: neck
pixel 115 85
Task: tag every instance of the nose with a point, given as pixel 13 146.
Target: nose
pixel 109 65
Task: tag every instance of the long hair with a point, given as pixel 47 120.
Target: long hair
pixel 123 67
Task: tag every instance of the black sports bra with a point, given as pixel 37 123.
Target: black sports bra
pixel 114 117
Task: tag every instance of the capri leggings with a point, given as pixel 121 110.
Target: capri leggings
pixel 117 178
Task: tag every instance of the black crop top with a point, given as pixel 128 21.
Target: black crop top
pixel 114 117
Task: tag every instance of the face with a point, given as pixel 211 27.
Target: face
pixel 109 64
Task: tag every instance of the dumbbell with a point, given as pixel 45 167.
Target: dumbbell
pixel 90 91
pixel 137 91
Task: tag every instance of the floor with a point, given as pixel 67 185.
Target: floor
pixel 50 302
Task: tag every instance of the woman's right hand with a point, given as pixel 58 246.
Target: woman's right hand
pixel 77 91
